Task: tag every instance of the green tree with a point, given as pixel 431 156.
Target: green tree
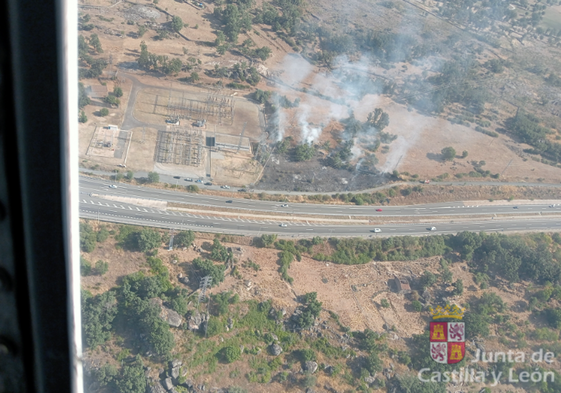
pixel 83 118
pixel 112 100
pixel 221 49
pixel 194 77
pixel 117 91
pixel 304 152
pixel 384 303
pixel 176 24
pixel 83 47
pixel 261 96
pixel 83 98
pixel 85 267
pixel 263 53
pixel 203 267
pixel 373 363
pixel 96 43
pixel 88 237
pixel 553 317
pixel 448 153
pixel 219 252
pixel 141 30
pixel 148 239
pixel 221 302
pixel 153 177
pixel 132 378
pixel 446 275
pixel 458 287
pixel 476 325
pixel 101 267
pixel 268 240
pixel 464 154
pixel 184 238
pixel 98 313
pixel 231 353
pixel 310 312
pixel 173 67
pixel 129 175
pixel 417 305
pixel 106 375
pixel 427 280
pixel 103 112
pixel 193 188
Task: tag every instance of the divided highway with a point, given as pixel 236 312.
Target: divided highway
pixel 93 206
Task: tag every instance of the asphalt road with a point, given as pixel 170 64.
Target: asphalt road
pixel 93 207
pixel 135 215
pixel 101 187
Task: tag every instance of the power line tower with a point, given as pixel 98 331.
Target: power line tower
pixel 170 240
pixel 241 136
pixel 203 285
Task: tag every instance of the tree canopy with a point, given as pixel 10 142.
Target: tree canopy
pixel 184 238
pixel 448 153
pixel 98 313
pixel 176 24
pixel 203 267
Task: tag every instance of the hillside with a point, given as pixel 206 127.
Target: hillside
pixel 320 301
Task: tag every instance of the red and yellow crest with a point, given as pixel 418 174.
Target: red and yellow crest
pixel 447 339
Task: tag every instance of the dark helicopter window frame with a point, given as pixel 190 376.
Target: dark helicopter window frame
pixel 39 262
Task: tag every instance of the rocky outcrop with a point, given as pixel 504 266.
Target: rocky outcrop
pixel 310 367
pixel 195 320
pixel 167 314
pixel 275 350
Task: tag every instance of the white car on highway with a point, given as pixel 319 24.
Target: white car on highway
pixel 283 225
pixel 284 205
pixel 432 229
pixel 376 230
pixel 225 187
pixel 112 186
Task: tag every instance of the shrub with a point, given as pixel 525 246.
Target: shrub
pixel 103 112
pixel 448 153
pixel 385 303
pixel 85 267
pixel 83 118
pixel 153 177
pixel 417 305
pixel 231 354
pixel 101 267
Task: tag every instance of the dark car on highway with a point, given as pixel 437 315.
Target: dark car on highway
pixel 208 183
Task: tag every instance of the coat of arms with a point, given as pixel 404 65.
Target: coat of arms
pixel 447 339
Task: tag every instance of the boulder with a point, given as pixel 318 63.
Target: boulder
pixel 276 350
pixel 310 367
pixel 175 363
pixel 187 384
pixel 157 388
pixel 167 314
pixel 274 336
pixel 175 372
pixel 370 380
pixel 167 383
pixel 195 320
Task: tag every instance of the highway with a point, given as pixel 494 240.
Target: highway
pixel 94 206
